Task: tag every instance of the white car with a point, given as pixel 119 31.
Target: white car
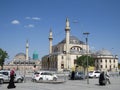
pixel 5 77
pixel 94 74
pixel 44 75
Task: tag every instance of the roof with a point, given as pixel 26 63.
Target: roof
pixel 73 40
pixel 20 54
pixel 104 52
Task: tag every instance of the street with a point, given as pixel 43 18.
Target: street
pixel 68 85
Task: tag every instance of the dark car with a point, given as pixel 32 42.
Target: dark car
pixel 77 76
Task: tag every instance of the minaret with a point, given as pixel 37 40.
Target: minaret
pixel 50 41
pixel 67 30
pixel 27 50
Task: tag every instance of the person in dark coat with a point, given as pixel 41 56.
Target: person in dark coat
pixel 102 79
pixel 11 82
pixel 73 75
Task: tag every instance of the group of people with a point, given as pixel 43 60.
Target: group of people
pixel 104 78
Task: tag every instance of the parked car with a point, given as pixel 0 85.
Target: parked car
pixel 5 77
pixel 94 74
pixel 78 75
pixel 44 75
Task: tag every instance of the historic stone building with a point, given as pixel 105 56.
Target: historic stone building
pixel 63 55
pixel 104 60
pixel 23 63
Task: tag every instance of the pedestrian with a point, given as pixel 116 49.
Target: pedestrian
pixel 11 82
pixel 108 77
pixel 73 75
pixel 102 79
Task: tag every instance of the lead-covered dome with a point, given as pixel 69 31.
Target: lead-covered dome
pixel 20 56
pixel 104 52
pixel 73 40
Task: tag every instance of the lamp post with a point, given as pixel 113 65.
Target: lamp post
pixel 87 33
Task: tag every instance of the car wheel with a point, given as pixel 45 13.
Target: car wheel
pixel 1 81
pixel 95 76
pixel 54 79
pixel 41 79
pixel 19 80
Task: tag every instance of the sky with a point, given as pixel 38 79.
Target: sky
pixel 22 20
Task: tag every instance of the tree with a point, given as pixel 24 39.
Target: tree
pixel 82 61
pixel 3 56
pixel 118 65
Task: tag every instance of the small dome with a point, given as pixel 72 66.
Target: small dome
pixel 104 52
pixel 35 55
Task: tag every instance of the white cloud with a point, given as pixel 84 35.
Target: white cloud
pixel 33 18
pixel 27 18
pixel 15 22
pixel 30 26
pixel 36 18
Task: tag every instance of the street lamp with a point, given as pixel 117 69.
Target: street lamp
pixel 87 33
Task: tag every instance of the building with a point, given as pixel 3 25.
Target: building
pixel 23 63
pixel 63 55
pixel 104 60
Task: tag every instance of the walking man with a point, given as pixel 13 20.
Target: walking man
pixel 108 77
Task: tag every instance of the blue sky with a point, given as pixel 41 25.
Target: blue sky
pixel 31 20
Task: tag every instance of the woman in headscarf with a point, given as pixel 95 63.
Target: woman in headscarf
pixel 102 79
pixel 11 82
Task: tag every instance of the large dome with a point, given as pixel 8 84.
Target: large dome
pixel 104 52
pixel 73 40
pixel 20 56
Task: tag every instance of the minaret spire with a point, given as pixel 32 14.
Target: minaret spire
pixel 50 41
pixel 67 24
pixel 27 50
pixel 67 30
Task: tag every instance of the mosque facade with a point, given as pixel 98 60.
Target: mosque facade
pixel 23 63
pixel 63 55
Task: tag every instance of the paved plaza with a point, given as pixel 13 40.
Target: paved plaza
pixel 68 85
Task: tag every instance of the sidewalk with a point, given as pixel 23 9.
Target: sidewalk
pixel 68 85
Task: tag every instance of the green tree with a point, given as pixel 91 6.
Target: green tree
pixel 82 61
pixel 119 65
pixel 3 56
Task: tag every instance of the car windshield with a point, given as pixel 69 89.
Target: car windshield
pixel 91 72
pixel 36 73
pixel 97 72
pixel 80 72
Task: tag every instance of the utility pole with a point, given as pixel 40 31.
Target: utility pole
pixel 87 33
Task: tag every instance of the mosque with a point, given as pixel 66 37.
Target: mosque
pixel 63 55
pixel 24 63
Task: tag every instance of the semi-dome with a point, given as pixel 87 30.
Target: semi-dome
pixel 104 52
pixel 73 40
